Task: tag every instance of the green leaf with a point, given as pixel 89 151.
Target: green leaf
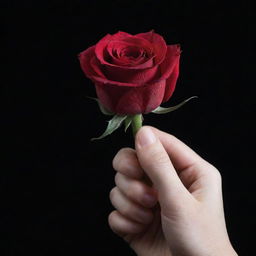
pixel 161 110
pixel 102 108
pixel 113 124
pixel 127 122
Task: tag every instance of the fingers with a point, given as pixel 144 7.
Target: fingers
pixel 130 209
pixel 155 161
pixel 131 197
pixel 126 162
pixel 129 218
pixel 136 191
pixel 128 178
pixel 122 225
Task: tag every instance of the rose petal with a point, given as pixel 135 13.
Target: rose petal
pixel 159 44
pixel 96 66
pixel 120 35
pixel 85 61
pixel 170 69
pixel 94 70
pixel 128 100
pixel 138 77
pixel 138 42
pixel 100 49
pixel 171 59
pixel 104 56
pixel 143 44
pixel 119 60
pixel 171 83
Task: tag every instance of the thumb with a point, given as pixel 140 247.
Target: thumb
pixel 157 165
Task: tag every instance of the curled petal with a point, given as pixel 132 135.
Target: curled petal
pixel 116 48
pixel 158 43
pixel 171 60
pixel 102 50
pixel 94 70
pixel 120 35
pixel 171 83
pixel 85 58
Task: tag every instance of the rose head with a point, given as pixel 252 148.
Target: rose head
pixel 133 74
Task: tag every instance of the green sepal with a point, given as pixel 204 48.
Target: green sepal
pixel 102 108
pixel 161 110
pixel 127 122
pixel 113 124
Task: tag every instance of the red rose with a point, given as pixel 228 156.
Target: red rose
pixel 133 74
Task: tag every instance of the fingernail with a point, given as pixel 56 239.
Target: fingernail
pixel 146 137
pixel 149 200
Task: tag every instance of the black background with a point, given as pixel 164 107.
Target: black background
pixel 55 185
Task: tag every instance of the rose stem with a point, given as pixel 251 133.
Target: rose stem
pixel 136 123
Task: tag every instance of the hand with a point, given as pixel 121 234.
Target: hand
pixel 181 214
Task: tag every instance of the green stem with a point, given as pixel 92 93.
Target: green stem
pixel 136 123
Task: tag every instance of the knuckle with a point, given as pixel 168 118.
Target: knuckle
pixel 123 152
pixel 135 191
pixel 215 173
pixel 119 158
pixel 158 157
pixel 126 210
pixel 130 193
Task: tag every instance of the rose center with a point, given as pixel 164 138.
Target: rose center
pixel 131 52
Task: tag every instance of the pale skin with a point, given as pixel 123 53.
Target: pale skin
pixel 168 199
